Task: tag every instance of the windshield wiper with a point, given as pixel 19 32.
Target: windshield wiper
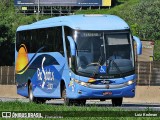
pixel 81 72
pixel 115 64
pixel 98 65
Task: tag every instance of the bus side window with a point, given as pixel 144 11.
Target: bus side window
pixel 17 40
pixel 41 39
pixel 58 39
pixel 28 40
pixel 50 41
pixel 22 39
pixel 34 46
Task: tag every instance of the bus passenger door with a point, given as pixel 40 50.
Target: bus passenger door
pixel 71 55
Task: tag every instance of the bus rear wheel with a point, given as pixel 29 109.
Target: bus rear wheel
pixel 117 101
pixel 30 93
pixel 31 96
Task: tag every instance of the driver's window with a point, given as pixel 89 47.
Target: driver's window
pixel 85 51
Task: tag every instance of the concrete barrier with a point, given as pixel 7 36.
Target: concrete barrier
pixel 144 94
pixel 9 91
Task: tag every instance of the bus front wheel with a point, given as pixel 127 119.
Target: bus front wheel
pixel 80 102
pixel 117 101
pixel 76 102
pixel 67 101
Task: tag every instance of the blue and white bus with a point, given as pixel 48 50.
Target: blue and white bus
pixel 76 58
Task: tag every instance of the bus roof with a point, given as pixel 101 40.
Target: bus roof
pixel 81 22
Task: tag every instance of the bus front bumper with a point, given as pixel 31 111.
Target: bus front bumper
pixel 82 92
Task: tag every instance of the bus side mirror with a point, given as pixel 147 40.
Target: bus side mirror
pixel 72 46
pixel 139 45
pixel 72 53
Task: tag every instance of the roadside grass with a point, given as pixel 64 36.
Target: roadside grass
pixel 28 106
pixel 82 111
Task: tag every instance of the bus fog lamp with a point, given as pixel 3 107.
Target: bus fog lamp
pixel 79 92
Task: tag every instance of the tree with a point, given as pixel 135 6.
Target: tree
pixel 9 21
pixel 146 15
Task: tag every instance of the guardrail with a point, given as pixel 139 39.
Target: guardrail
pixel 7 75
pixel 148 74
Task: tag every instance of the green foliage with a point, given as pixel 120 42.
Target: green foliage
pixel 157 50
pixel 146 15
pixel 6 33
pixel 9 22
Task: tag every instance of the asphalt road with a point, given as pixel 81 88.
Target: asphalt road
pixel 107 103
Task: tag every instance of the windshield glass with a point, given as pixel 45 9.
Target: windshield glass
pixel 103 54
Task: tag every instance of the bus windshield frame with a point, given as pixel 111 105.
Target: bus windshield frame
pixel 104 54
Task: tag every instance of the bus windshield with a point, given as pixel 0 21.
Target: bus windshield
pixel 104 54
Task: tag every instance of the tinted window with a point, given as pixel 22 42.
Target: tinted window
pixel 49 38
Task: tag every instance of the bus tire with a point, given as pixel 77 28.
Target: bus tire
pixel 30 93
pixel 40 100
pixel 83 102
pixel 117 101
pixel 67 101
pixel 32 98
pixel 80 102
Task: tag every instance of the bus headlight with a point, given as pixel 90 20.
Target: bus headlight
pixel 130 82
pixel 82 83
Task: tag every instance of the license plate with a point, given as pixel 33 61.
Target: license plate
pixel 107 93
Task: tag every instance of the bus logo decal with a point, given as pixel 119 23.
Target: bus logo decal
pixel 22 60
pixel 44 74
